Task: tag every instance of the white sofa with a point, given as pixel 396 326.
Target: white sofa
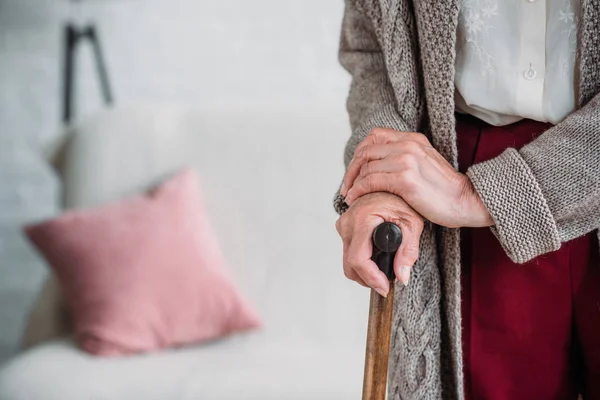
pixel 268 178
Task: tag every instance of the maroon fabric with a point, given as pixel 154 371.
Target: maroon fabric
pixel 530 331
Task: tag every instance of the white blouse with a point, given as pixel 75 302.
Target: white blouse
pixel 515 59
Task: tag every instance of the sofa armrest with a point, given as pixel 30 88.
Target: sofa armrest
pixel 48 318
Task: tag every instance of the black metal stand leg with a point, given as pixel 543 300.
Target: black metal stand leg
pixel 100 66
pixel 70 40
pixel 72 37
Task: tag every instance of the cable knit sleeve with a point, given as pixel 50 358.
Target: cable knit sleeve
pixel 548 192
pixel 372 101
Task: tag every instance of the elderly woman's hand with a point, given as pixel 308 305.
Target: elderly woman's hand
pixel 405 164
pixel 356 228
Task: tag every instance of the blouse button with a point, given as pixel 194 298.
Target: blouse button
pixel 530 73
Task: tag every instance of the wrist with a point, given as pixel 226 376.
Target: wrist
pixel 475 213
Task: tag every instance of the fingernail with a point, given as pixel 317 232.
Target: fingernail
pixel 404 274
pixel 343 188
pixel 382 292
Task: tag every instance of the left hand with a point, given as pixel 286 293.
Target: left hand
pixel 405 164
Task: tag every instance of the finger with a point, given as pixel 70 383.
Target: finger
pixel 358 258
pixel 363 156
pixel 389 164
pixel 379 136
pixel 348 272
pixel 408 253
pixel 353 276
pixel 386 136
pixel 377 182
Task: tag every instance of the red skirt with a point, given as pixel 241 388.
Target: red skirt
pixel 530 331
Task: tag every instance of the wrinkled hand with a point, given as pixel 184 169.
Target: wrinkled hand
pixel 405 164
pixel 356 228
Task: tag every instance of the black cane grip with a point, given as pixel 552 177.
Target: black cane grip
pixel 387 238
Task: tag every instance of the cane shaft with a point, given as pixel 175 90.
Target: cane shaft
pixel 378 345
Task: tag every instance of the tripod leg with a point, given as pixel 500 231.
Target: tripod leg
pixel 70 37
pixel 101 66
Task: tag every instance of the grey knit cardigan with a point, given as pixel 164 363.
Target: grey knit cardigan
pixel 401 56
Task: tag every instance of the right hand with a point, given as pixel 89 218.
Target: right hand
pixel 356 228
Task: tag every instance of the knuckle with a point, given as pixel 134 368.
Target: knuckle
pixel 407 161
pixel 377 131
pixel 411 256
pixel 343 225
pixel 370 180
pixel 415 226
pixel 413 146
pixel 365 142
pixel 360 268
pixel 407 178
pixel 411 250
pixel 382 135
pixel 374 132
pixel 362 152
pixel 350 261
pixel 421 138
pixel 367 184
pixel 348 274
pixel 419 225
pixel 365 169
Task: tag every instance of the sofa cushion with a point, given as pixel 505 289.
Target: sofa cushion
pixel 143 273
pixel 241 368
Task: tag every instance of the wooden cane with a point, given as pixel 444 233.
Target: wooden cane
pixel 386 241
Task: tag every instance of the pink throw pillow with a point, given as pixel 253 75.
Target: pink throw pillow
pixel 145 273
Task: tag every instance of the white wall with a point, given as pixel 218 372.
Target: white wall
pixel 208 53
pixel 203 52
